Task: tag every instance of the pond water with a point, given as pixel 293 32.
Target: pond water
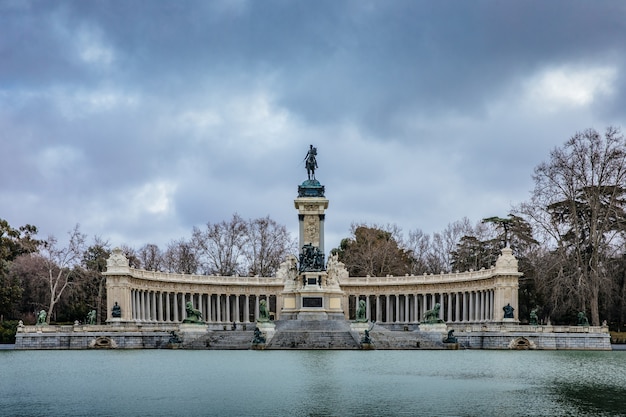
pixel 312 383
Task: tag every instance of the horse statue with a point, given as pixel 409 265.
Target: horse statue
pixel 432 316
pixel 311 162
pixel 193 315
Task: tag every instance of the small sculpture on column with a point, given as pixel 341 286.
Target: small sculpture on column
pixel 508 311
pixel 116 311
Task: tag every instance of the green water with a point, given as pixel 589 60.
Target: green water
pixel 312 383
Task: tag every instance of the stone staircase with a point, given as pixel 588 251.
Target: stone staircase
pixel 313 334
pixel 384 339
pixel 222 340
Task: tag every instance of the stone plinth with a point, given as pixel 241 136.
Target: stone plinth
pixel 190 332
pixel 434 328
pixel 359 327
pixel 268 329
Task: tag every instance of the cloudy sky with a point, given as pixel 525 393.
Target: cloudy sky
pixel 142 119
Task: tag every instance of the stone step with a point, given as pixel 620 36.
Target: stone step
pixel 313 340
pixel 386 339
pixel 224 340
pixel 312 325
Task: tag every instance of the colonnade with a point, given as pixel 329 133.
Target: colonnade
pixel 165 306
pixel 455 307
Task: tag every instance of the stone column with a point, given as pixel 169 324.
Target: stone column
pixel 237 315
pixel 407 311
pixel 246 309
pixel 378 312
pixel 397 300
pixel 218 307
pixel 387 308
pixel 256 307
pixel 368 308
pixel 153 304
pixel 442 305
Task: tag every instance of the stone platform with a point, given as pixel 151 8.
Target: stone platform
pixel 313 334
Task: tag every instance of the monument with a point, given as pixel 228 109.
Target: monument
pixel 313 292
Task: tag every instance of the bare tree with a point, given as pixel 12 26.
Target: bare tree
pixel 60 263
pixel 444 243
pixel 151 257
pixel 419 245
pixel 220 246
pixel 180 257
pixel 267 244
pixel 578 203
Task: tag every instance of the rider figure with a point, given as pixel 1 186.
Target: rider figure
pixel 311 162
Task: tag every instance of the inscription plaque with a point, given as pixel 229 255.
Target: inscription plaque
pixel 311 301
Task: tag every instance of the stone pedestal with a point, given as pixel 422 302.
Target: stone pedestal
pixel 312 298
pixel 359 327
pixel 268 329
pixel 189 332
pixel 434 328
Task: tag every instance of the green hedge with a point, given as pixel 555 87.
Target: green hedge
pixel 8 328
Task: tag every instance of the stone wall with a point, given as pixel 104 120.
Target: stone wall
pixel 92 337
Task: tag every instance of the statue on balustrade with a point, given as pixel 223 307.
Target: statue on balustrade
pixel 582 319
pixel 41 317
pixel 264 315
pixel 91 317
pixel 534 321
pixel 432 316
pixel 361 312
pixel 508 311
pixel 193 316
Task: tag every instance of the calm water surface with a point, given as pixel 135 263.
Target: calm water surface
pixel 311 383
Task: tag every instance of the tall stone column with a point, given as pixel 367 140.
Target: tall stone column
pixel 311 220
